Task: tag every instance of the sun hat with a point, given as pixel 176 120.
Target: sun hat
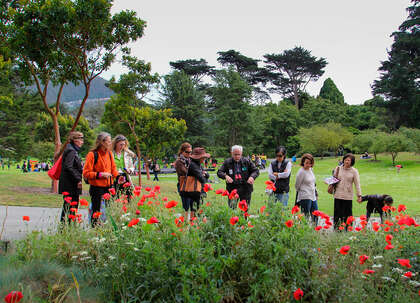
pixel 199 153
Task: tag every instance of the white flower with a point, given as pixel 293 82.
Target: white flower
pixel 129 243
pixel 388 279
pixel 136 249
pixel 85 258
pixel 378 257
pixel 124 227
pixel 352 238
pixel 111 258
pixel 414 283
pixel 143 219
pixel 75 257
pixel 376 265
pixel 83 253
pixel 254 216
pixel 398 270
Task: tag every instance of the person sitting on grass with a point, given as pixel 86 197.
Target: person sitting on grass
pixel 376 203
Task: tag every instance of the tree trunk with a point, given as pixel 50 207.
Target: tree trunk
pixel 138 159
pixel 57 152
pixel 146 160
pixel 394 155
pixel 296 98
pixel 374 155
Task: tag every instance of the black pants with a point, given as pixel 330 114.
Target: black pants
pixel 96 194
pixel 66 207
pixel 379 211
pixel 342 210
pixel 156 176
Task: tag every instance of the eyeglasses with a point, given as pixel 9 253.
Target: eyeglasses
pixel 80 138
pixel 188 152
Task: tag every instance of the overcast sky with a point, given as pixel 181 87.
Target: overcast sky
pixel 353 36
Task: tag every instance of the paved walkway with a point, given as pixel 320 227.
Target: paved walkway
pixel 41 219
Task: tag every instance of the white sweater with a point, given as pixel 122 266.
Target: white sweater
pixel 305 184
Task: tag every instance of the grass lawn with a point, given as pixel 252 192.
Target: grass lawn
pixel 32 189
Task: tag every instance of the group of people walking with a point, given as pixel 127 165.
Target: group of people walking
pixel 108 164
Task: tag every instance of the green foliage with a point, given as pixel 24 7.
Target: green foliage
pixel 292 70
pixel 230 107
pixel 330 91
pixel 397 142
pixel 196 69
pixel 44 131
pixel 186 101
pixel 370 141
pixel 321 138
pixel 413 134
pixel 398 83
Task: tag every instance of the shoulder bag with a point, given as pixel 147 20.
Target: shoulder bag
pixel 332 187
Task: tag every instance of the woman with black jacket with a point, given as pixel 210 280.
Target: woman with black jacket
pixel 71 175
pixel 199 176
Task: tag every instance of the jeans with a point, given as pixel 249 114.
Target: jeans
pixel 283 198
pixel 306 206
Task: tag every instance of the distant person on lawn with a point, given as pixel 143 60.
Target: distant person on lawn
pixel 376 203
pixel 240 174
pixel 71 174
pixel 100 174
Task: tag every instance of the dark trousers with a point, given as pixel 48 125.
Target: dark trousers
pixel 96 194
pixel 66 207
pixel 306 206
pixel 342 210
pixel 380 212
pixel 156 176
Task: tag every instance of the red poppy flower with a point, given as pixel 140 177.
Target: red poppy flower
pixel 363 259
pixel 73 210
pixel 375 226
pixel 171 204
pixel 350 220
pixel 84 202
pixel 363 218
pixel 319 227
pixel 68 199
pixel 262 209
pixel 133 222
pixel 225 193
pixel 152 220
pixel 408 274
pixel 289 223
pixel 156 189
pixel 404 262
pixel 65 193
pixel 137 212
pixel 106 196
pixel 96 214
pixel 219 191
pixel 179 221
pixel 246 215
pixel 243 206
pixel 124 208
pixel 137 192
pixel 344 250
pixel 389 246
pixel 401 208
pixel 358 228
pixel 72 217
pixel 250 225
pixel 295 209
pixel 148 188
pixel 388 238
pixel 25 218
pixel 233 194
pixel 13 297
pixel 112 191
pixel 207 188
pixel 204 220
pixel 126 184
pixel 368 271
pixel 234 220
pixel 298 294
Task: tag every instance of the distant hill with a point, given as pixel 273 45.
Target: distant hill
pixel 70 93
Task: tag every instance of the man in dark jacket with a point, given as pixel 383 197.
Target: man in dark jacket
pixel 71 174
pixel 240 174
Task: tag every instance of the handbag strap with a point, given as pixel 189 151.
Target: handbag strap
pixel 186 176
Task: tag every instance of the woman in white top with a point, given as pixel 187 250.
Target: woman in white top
pixel 124 162
pixel 305 184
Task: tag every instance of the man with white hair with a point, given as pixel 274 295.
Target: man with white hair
pixel 240 174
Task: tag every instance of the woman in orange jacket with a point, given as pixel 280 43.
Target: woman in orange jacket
pixel 99 170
